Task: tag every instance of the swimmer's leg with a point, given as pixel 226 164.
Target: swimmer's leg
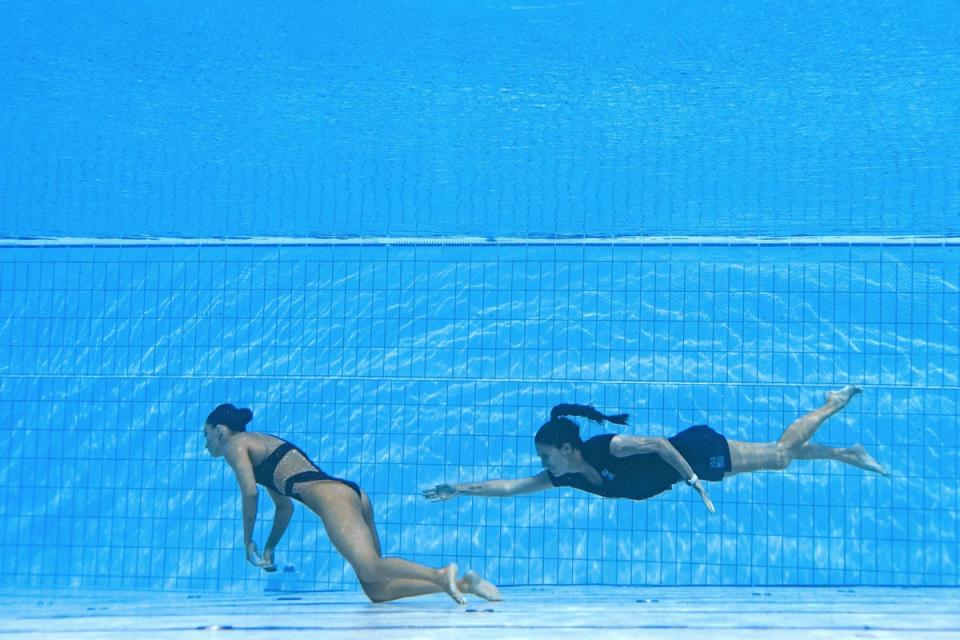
pixel 396 588
pixel 855 455
pixel 382 579
pixel 794 445
pixel 802 429
pixel 366 510
pixel 472 582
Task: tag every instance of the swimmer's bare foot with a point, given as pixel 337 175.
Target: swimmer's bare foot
pixel 480 587
pixel 860 458
pixel 449 585
pixel 842 396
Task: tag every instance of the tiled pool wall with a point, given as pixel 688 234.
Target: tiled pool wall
pixel 403 366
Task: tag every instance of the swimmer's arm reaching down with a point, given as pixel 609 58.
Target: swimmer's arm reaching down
pixel 281 518
pixel 490 488
pixel 623 446
pixel 238 457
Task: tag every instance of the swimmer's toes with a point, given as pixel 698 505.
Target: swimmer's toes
pixel 866 461
pixel 843 395
pixel 481 587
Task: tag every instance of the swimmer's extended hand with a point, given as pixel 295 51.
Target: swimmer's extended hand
pixel 267 563
pixel 702 490
pixel 440 493
pixel 253 554
pixel 254 558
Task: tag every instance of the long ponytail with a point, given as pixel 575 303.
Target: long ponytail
pixel 561 430
pixel 586 411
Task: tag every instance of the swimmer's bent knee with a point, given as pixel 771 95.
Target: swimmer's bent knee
pixel 781 458
pixel 375 590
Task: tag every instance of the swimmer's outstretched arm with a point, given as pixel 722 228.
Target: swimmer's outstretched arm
pixel 623 446
pixel 490 488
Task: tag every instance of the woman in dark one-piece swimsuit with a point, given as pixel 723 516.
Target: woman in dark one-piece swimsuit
pixel 343 507
pixel 620 466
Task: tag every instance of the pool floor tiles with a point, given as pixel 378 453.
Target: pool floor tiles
pixel 694 613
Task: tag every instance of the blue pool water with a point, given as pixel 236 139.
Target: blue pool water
pixel 479 118
pixel 401 232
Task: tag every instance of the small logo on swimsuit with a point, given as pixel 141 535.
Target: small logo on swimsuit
pixel 606 475
pixel 716 462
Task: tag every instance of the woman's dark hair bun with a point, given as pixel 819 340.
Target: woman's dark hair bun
pixel 233 418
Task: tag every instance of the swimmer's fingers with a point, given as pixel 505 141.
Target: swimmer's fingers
pixel 440 493
pixel 707 501
pixel 253 555
pixel 433 495
pixel 702 490
pixel 266 561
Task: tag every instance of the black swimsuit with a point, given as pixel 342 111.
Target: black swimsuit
pixel 289 466
pixel 644 475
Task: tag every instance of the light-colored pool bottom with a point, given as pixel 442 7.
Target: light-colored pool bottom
pixel 695 613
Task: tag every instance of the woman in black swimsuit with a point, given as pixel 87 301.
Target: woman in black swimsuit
pixel 344 508
pixel 634 467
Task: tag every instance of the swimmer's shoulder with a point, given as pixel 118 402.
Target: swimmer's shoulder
pixel 255 445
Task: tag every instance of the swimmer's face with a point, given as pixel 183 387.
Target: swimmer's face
pixel 556 460
pixel 214 439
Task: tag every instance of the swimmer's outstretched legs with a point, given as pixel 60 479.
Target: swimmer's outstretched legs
pixel 794 445
pixel 803 428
